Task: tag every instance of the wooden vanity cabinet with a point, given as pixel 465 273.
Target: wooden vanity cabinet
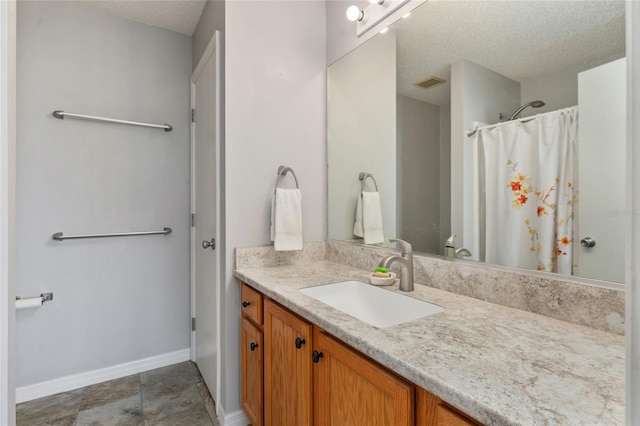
pixel 350 389
pixel 432 411
pixel 252 368
pixel 295 374
pixel 288 375
pixel 251 352
pixel 251 304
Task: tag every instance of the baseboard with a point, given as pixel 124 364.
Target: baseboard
pixel 235 418
pixel 75 381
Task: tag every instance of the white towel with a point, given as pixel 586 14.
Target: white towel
pixel 368 222
pixel 286 219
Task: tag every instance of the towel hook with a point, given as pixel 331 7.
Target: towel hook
pixel 363 176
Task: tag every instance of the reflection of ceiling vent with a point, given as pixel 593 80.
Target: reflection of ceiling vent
pixel 430 82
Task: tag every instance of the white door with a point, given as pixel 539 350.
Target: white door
pixel 602 182
pixel 205 346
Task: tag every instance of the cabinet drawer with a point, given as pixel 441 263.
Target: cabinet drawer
pixel 251 303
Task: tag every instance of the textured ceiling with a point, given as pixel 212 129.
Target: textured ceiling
pixel 519 39
pixel 176 15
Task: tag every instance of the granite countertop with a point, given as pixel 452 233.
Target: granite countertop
pixel 500 365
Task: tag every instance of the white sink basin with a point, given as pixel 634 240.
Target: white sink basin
pixel 375 306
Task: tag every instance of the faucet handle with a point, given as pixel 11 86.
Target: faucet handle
pixel 451 241
pixel 406 247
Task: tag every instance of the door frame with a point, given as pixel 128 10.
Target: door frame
pixel 8 18
pixel 213 48
pixel 632 288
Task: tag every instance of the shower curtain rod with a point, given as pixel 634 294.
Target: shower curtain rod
pixel 522 120
pixel 61 115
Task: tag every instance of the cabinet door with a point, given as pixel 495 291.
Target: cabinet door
pixel 432 411
pixel 251 393
pixel 350 389
pixel 287 370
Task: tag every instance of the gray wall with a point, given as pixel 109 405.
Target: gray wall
pixel 445 174
pixel 361 92
pixel 418 170
pixel 115 300
pixel 558 90
pixel 275 114
pixel 477 94
pixel 341 33
pixel 212 19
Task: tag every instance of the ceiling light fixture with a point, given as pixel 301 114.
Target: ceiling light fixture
pixel 384 30
pixel 376 1
pixel 405 16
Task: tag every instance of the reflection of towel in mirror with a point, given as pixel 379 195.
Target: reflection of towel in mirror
pixel 368 223
pixel 286 219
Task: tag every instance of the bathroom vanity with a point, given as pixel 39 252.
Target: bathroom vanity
pixel 295 373
pixel 473 363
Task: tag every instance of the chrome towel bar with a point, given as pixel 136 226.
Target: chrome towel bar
pixel 61 115
pixel 59 236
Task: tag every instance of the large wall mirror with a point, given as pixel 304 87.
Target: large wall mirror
pixel 502 122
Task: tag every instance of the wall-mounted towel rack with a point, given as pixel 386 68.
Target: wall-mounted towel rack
pixel 282 171
pixel 61 115
pixel 59 236
pixel 363 176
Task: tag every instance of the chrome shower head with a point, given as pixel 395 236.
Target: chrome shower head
pixel 532 104
pixel 536 104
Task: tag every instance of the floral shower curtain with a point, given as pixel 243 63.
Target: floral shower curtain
pixel 529 191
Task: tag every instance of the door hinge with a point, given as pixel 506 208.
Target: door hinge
pixel 193 219
pixel 193 115
pixel 193 324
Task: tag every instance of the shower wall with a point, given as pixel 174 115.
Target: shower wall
pixel 418 174
pixel 116 300
pixel 477 94
pixel 558 90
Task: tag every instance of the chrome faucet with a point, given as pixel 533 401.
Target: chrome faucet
pixel 451 251
pixel 406 264
pixel 462 251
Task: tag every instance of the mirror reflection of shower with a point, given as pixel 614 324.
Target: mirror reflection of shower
pixel 532 104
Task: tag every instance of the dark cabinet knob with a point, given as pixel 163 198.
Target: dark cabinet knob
pixel 245 304
pixel 315 356
pixel 299 342
pixel 253 346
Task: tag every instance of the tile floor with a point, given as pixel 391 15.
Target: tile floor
pixel 170 396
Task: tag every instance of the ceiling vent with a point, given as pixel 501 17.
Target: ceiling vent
pixel 430 82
